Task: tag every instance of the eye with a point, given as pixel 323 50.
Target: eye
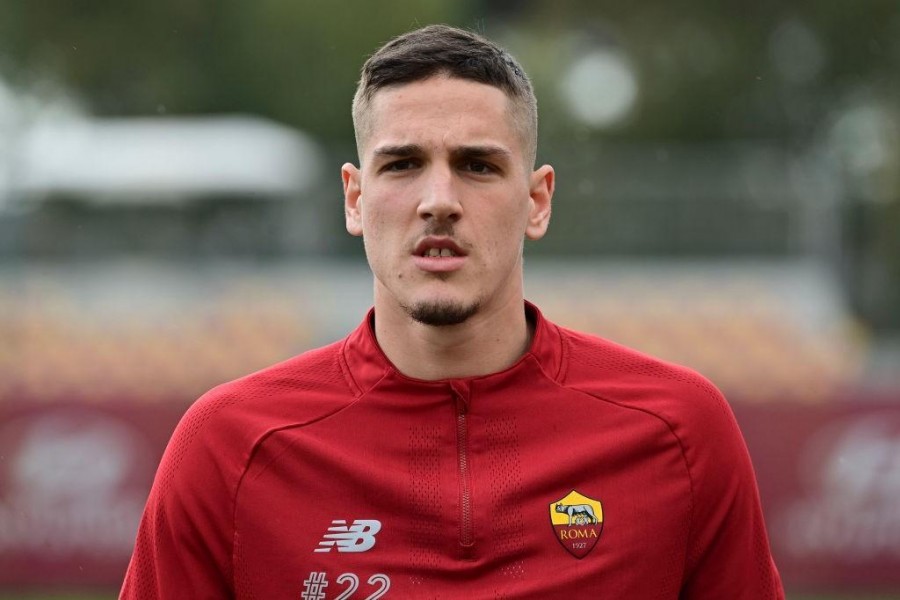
pixel 478 167
pixel 400 165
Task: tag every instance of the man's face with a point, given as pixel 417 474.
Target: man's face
pixel 444 199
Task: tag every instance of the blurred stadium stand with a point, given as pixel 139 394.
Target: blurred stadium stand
pixel 764 332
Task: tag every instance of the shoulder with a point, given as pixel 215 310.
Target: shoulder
pixel 688 402
pixel 727 547
pixel 188 524
pixel 694 411
pixel 301 389
pixel 219 432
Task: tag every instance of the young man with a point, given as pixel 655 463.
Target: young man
pixel 457 444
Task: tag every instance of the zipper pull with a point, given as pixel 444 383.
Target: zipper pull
pixel 459 389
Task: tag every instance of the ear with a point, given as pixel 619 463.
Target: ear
pixel 352 198
pixel 541 184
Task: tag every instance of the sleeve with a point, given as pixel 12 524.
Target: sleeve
pixel 185 539
pixel 728 549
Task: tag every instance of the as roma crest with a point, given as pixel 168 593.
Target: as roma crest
pixel 577 522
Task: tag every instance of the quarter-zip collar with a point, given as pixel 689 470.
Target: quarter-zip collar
pixel 366 364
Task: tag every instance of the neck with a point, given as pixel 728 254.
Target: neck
pixel 488 342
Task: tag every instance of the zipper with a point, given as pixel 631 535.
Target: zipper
pixel 466 533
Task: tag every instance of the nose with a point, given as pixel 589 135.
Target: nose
pixel 440 198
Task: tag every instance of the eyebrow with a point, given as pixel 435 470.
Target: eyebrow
pixel 399 150
pixel 481 152
pixel 475 151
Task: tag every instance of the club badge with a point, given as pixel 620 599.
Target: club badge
pixel 577 523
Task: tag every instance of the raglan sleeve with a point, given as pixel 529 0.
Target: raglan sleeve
pixel 728 552
pixel 184 541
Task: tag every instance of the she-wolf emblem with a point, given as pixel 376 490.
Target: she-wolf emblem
pixel 577 512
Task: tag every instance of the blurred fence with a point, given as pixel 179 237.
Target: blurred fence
pixel 651 199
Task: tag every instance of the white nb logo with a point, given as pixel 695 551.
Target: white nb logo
pixel 358 537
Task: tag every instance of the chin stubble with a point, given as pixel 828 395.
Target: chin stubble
pixel 441 314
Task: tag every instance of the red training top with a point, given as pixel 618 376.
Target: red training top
pixel 585 470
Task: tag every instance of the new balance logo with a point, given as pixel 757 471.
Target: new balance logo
pixel 358 537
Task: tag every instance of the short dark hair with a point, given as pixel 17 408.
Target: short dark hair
pixel 443 50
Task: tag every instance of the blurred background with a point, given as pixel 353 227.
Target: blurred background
pixel 171 218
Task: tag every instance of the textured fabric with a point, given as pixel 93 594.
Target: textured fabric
pixel 332 472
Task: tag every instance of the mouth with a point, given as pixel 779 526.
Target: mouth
pixel 436 252
pixel 432 247
pixel 438 255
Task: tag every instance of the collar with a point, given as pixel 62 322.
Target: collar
pixel 366 364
